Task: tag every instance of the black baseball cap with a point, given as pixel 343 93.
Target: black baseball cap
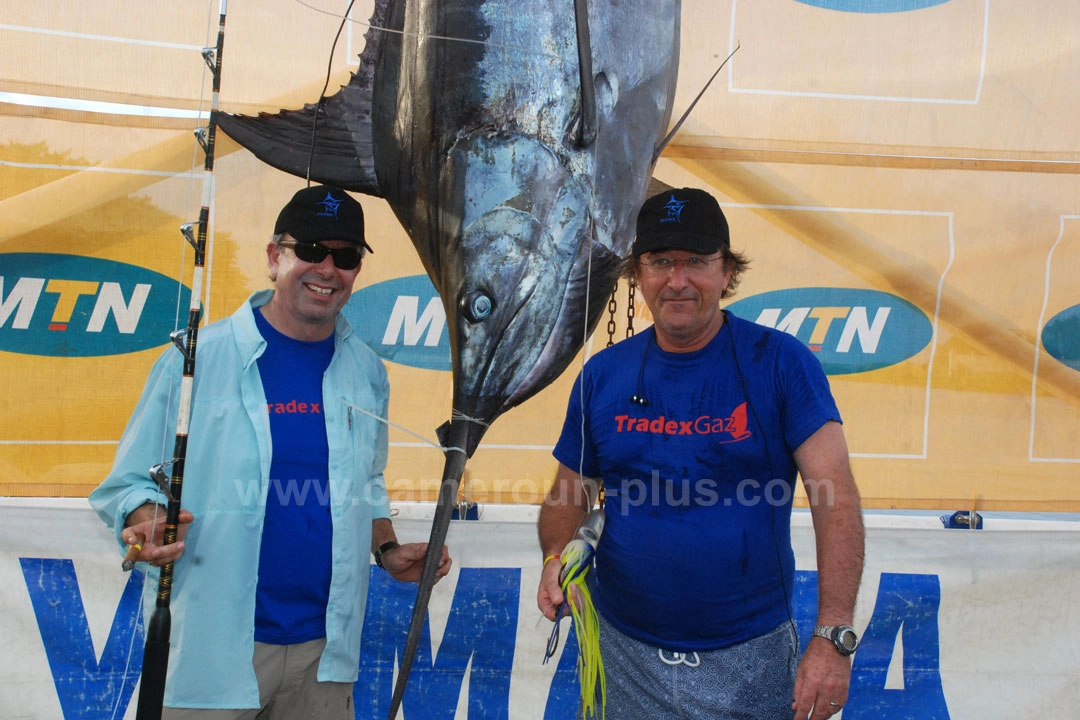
pixel 684 219
pixel 322 212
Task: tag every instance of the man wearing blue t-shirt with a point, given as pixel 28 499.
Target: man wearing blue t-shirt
pixel 284 497
pixel 696 429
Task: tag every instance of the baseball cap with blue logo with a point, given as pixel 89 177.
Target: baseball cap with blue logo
pixel 322 212
pixel 684 219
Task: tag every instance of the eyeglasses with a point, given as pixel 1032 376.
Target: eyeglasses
pixel 346 258
pixel 692 265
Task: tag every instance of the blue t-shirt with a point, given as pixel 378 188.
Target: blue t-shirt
pixel 696 549
pixel 295 554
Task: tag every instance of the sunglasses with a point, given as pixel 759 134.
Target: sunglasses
pixel 346 258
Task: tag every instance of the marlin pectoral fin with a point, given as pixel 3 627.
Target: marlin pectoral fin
pixel 586 134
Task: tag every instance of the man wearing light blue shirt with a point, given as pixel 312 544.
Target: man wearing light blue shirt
pixel 284 497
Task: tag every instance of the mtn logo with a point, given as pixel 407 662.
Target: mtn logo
pixel 850 330
pixel 1061 337
pixel 403 321
pixel 73 306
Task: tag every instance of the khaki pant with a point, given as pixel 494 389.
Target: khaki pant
pixel 288 689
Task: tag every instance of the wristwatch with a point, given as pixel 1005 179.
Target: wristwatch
pixel 383 549
pixel 842 636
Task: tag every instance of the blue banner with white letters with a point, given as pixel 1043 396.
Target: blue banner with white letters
pixel 941 615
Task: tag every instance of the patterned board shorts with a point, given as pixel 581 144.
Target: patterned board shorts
pixel 754 680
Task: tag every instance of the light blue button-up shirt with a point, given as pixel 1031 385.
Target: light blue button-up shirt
pixel 226 480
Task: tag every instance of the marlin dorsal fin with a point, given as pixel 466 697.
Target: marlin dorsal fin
pixel 667 138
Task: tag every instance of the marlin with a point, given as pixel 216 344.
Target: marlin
pixel 514 141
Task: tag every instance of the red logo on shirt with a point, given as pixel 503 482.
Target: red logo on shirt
pixel 293 407
pixel 734 425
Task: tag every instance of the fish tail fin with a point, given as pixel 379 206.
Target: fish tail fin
pixel 329 141
pixel 293 141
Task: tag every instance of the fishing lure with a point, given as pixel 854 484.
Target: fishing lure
pixel 576 559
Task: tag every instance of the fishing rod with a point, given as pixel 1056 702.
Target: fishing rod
pixel 158 631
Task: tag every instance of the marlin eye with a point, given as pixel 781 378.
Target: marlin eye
pixel 475 306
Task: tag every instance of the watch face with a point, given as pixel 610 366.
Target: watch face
pixel 849 640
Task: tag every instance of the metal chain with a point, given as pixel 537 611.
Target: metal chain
pixel 612 307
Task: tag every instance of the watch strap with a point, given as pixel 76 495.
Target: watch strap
pixel 383 549
pixel 832 633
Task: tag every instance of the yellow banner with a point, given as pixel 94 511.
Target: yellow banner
pixel 904 182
